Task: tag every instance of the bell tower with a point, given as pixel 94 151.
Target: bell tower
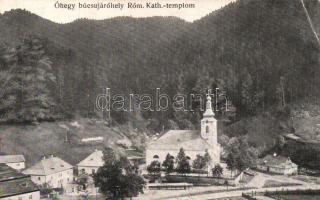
pixel 209 131
pixel 209 123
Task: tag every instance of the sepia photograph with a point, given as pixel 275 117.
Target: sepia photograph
pixel 160 100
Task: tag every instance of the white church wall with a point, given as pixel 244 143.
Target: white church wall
pixel 163 153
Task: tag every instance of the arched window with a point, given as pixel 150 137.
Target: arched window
pixel 207 129
pixel 188 158
pixel 156 157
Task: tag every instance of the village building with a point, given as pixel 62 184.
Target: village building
pixel 15 161
pixel 277 164
pixel 16 186
pixel 52 171
pixel 91 164
pixel 94 161
pixel 194 142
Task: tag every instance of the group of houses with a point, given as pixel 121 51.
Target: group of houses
pixel 20 183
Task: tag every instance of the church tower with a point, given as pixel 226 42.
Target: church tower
pixel 209 131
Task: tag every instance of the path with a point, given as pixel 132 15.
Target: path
pixel 214 192
pixel 239 193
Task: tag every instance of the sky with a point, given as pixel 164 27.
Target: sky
pixel 48 9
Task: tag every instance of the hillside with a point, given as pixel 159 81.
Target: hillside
pixel 49 138
pixel 262 53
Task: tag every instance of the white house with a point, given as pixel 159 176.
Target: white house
pixel 91 163
pixel 15 161
pixel 53 171
pixel 193 142
pixel 277 164
pixel 16 186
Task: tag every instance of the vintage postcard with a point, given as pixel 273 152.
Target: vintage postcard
pixel 160 99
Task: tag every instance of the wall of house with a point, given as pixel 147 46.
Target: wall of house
pixel 26 196
pixel 291 170
pixel 17 165
pixel 87 170
pixel 278 170
pixel 55 180
pixel 163 153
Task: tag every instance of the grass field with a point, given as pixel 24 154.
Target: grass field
pixel 35 141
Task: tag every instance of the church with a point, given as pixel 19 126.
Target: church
pixel 194 142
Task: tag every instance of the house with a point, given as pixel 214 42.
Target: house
pixel 277 164
pixel 52 171
pixel 194 142
pixel 15 161
pixel 16 186
pixel 91 163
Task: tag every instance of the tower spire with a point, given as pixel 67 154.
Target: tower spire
pixel 208 112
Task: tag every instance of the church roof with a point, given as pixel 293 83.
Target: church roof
pixel 176 139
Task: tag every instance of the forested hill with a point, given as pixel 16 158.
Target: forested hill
pixel 261 52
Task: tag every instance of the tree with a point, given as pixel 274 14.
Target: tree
pixel 27 82
pixel 154 168
pixel 217 171
pixel 183 165
pixel 280 142
pixel 117 177
pixel 198 163
pixel 240 155
pixel 168 164
pixel 206 158
pixel 8 82
pixel 202 162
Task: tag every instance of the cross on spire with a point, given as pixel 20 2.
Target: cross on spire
pixel 209 92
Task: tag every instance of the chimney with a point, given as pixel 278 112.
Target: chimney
pixel 51 156
pixel 44 157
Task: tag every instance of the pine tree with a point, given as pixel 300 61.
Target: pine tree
pixel 34 76
pixel 168 164
pixel 183 165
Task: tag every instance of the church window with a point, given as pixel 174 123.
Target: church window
pixel 156 156
pixel 207 129
pixel 188 158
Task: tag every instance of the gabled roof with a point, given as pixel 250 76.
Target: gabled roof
pixel 13 183
pixel 8 173
pixel 176 139
pixel 11 158
pixel 16 187
pixel 277 161
pixel 48 166
pixel 93 160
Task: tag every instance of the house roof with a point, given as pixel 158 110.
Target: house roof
pixel 277 161
pixel 176 139
pixel 11 158
pixel 48 166
pixel 17 186
pixel 93 160
pixel 8 173
pixel 14 183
